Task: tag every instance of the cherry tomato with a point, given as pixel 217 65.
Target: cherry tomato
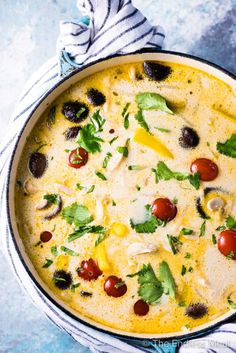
pixel 89 270
pixel 78 158
pixel 141 308
pixel 207 169
pixel 164 209
pixel 45 236
pixel 227 243
pixel 115 287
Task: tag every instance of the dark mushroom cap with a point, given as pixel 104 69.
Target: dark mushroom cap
pixel 72 132
pixel 75 111
pixel 156 71
pixel 37 164
pixel 196 311
pixel 95 97
pixel 188 138
pixel 62 279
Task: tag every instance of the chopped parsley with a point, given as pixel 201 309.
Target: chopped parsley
pixel 47 263
pixel 68 251
pixel 141 121
pixel 162 129
pixel 174 243
pixel 100 175
pixel 124 149
pixel 79 186
pixel 228 148
pixel 106 159
pixel 52 198
pixel 220 228
pixel 183 270
pixel 97 121
pixel 162 172
pixel 152 101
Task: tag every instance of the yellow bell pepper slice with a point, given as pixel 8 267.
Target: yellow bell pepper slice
pixel 144 138
pixel 101 257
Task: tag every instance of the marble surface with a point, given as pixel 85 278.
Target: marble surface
pixel 28 32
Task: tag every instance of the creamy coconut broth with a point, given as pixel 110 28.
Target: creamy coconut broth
pixel 125 198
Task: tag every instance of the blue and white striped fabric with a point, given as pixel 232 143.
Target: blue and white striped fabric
pixel 116 27
pixel 222 340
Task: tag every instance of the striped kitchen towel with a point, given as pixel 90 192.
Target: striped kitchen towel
pixel 115 27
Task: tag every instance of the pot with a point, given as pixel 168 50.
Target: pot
pixel 74 76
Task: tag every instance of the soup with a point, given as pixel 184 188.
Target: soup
pixel 125 198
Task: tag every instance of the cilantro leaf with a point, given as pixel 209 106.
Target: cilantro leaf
pixel 150 225
pixel 140 119
pixel 88 140
pixel 52 198
pixel 231 303
pixel 231 222
pixel 149 100
pixel 174 243
pixel 150 289
pixel 228 148
pixel 85 230
pixel 77 215
pixel 163 172
pixel 203 229
pixel 167 279
pixel 47 263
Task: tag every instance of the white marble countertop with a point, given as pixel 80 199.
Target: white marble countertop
pixel 205 28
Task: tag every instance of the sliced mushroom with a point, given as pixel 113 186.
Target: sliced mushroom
pixel 215 204
pixel 140 248
pixel 37 164
pixel 29 187
pixel 55 210
pixel 42 205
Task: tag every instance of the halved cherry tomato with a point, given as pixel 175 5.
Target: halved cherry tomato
pixel 207 169
pixel 164 209
pixel 141 308
pixel 115 287
pixel 45 236
pixel 227 243
pixel 78 158
pixel 89 270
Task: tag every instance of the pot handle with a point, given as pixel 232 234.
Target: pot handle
pixel 66 64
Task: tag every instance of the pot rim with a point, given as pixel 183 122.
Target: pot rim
pixel 110 331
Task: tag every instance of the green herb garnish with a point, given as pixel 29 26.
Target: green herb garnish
pixel 231 303
pixel 68 251
pixel 100 175
pixel 74 286
pixel 174 243
pixel 125 115
pixel 150 225
pixel 80 111
pixel 188 255
pixel 47 263
pixel 162 172
pixel 81 231
pixel 54 250
pixel 97 121
pixel 167 279
pixel 113 203
pixel 186 231
pixel 138 188
pixel 203 229
pixel 88 140
pixel 113 140
pixel 152 101
pixel 52 198
pixel 141 121
pixel 134 167
pixel 77 215
pixel 162 129
pixel 100 238
pixel 51 116
pixel 228 148
pixel 230 255
pixel 91 189
pixel 214 241
pixel 106 159
pixel 79 186
pixel 231 222
pixel 183 270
